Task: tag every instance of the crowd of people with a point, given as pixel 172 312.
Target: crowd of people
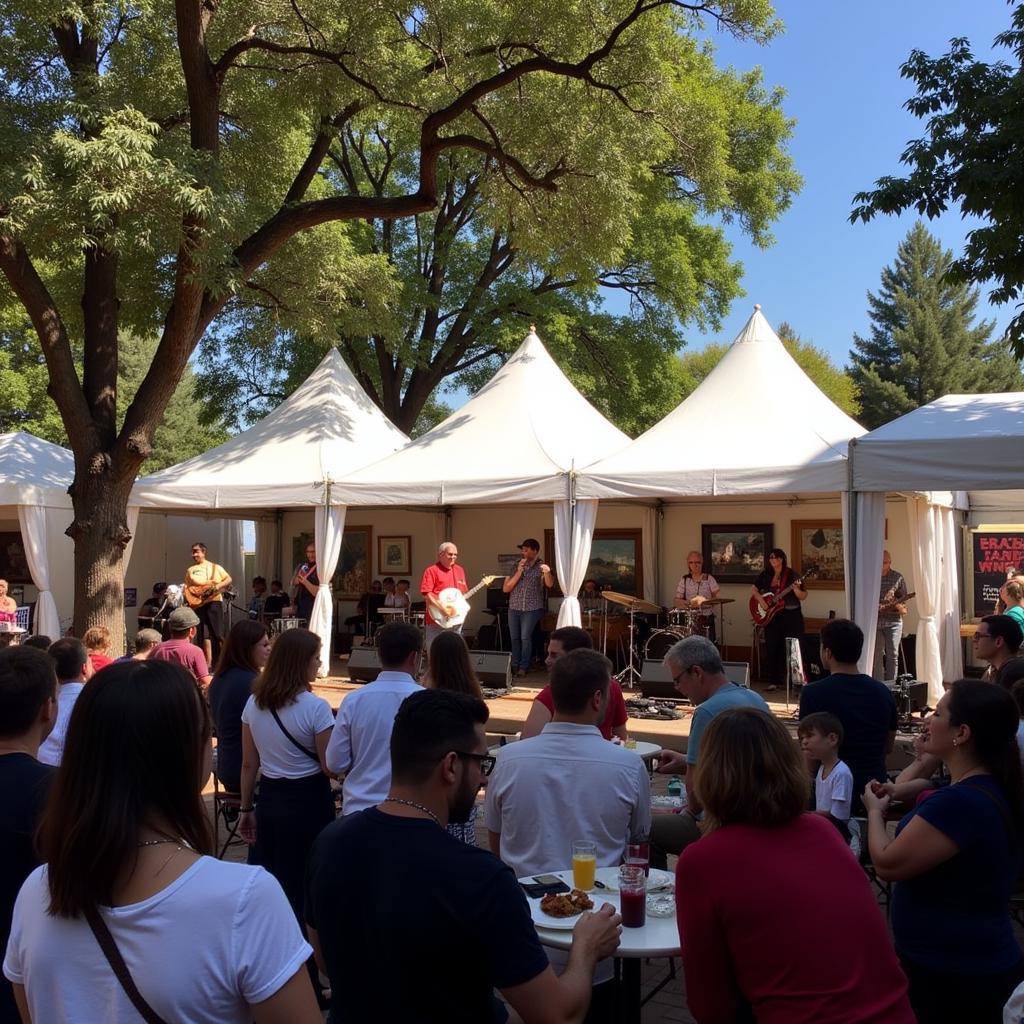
pixel 392 910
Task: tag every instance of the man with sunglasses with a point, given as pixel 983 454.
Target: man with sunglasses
pixel 997 641
pixel 698 674
pixel 410 923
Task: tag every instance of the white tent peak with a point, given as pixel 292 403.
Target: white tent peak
pixel 324 430
pixel 34 471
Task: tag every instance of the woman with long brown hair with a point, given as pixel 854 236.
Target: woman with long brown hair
pixel 127 876
pixel 788 621
pixel 764 869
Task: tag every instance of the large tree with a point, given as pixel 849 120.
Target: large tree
pixel 923 341
pixel 972 157
pixel 161 163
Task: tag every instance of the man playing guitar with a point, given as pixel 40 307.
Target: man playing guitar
pixel 205 583
pixel 444 573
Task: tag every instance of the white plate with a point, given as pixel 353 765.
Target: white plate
pixel 542 920
pixel 657 881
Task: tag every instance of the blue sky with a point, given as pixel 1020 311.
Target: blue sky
pixel 839 64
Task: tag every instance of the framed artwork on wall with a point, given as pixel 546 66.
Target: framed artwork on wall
pixel 736 553
pixel 818 543
pixel 13 563
pixel 354 572
pixel 616 560
pixel 394 555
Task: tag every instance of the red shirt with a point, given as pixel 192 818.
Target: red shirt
pixel 100 661
pixel 437 578
pixel 786 916
pixel 184 653
pixel 615 714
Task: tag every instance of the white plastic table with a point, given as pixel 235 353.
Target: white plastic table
pixel 659 937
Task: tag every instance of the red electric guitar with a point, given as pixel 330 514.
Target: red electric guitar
pixel 776 602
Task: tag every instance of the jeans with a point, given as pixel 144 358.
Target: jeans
pixel 432 632
pixel 887 641
pixel 521 626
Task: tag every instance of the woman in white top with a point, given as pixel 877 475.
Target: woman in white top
pixel 125 839
pixel 285 729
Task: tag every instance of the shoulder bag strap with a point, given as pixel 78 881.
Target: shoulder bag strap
pixel 294 741
pixel 119 967
pixel 1004 811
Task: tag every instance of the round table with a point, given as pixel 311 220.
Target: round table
pixel 644 749
pixel 658 937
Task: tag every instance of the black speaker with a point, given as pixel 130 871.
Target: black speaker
pixel 810 654
pixel 493 668
pixel 363 664
pixel 656 681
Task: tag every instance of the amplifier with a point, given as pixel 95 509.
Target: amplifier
pixel 493 668
pixel 738 672
pixel 363 664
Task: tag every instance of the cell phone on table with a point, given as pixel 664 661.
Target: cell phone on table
pixel 542 885
pixel 547 879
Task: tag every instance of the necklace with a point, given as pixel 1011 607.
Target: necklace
pixel 158 842
pixel 418 807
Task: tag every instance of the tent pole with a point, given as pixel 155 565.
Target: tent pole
pixel 659 525
pixel 851 526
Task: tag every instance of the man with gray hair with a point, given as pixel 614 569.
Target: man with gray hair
pixel 698 674
pixel 442 575
pixel 146 641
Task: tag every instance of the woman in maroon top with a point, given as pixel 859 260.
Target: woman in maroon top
pixel 775 914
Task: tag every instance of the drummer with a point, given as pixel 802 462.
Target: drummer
pixel 695 588
pixel 590 597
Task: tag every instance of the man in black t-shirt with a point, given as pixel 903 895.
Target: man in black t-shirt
pixel 412 924
pixel 866 707
pixel 28 711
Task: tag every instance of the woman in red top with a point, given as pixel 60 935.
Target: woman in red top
pixel 775 914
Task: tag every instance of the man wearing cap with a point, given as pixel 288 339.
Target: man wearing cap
pixel 181 649
pixel 525 589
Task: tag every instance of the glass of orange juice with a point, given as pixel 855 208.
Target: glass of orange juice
pixel 584 864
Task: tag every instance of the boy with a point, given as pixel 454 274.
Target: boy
pixel 820 735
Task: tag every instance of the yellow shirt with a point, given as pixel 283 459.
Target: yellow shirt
pixel 206 574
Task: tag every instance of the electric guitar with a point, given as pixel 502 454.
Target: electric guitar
pixel 889 605
pixel 775 602
pixel 459 601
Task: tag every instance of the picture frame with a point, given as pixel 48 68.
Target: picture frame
pixel 616 560
pixel 13 562
pixel 736 552
pixel 819 543
pixel 394 555
pixel 352 576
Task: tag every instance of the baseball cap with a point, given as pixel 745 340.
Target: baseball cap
pixel 182 618
pixel 530 542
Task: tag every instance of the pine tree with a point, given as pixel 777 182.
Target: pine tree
pixel 924 342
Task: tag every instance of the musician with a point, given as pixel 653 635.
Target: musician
pixel 526 601
pixel 305 584
pixel 259 598
pixel 276 601
pixel 444 573
pixel 696 587
pixel 152 607
pixel 590 597
pixel 402 598
pixel 789 622
pixel 892 592
pixel 205 583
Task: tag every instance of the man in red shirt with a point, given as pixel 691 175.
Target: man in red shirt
pixel 444 573
pixel 561 641
pixel 182 649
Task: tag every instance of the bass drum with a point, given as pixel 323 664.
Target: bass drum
pixel 661 641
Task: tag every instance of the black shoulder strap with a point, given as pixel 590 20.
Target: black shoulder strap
pixel 119 967
pixel 294 741
pixel 1003 808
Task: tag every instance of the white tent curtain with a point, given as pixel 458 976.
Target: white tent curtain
pixel 133 528
pixel 266 541
pixel 329 525
pixel 649 542
pixel 574 534
pixel 32 520
pixel 925 531
pixel 864 565
pixel 950 646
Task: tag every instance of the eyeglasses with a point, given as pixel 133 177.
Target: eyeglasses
pixel 686 671
pixel 487 761
pixel 982 636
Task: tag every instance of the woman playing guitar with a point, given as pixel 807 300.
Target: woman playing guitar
pixel 787 622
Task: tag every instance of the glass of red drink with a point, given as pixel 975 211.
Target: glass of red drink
pixel 639 853
pixel 632 895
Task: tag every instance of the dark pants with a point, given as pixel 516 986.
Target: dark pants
pixel 211 627
pixel 944 997
pixel 789 622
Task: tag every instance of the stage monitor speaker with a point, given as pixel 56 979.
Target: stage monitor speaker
pixel 655 680
pixel 363 664
pixel 738 672
pixel 493 668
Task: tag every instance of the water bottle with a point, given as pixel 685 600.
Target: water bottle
pixel 675 786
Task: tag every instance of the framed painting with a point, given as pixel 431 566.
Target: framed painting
pixel 616 560
pixel 818 544
pixel 13 563
pixel 736 553
pixel 394 555
pixel 352 576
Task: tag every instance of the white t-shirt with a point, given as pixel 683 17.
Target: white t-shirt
pixel 306 716
pixel 247 946
pixel 51 750
pixel 834 794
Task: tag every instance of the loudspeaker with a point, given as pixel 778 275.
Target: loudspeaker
pixel 493 668
pixel 363 664
pixel 655 680
pixel 810 652
pixel 738 672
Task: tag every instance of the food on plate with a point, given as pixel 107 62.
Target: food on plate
pixel 563 904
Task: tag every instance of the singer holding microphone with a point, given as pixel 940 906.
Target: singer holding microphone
pixel 305 584
pixel 525 589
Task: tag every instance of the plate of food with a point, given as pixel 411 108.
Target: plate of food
pixel 560 910
pixel 657 880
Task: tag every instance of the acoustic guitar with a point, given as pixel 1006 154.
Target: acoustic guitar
pixel 198 594
pixel 776 602
pixel 459 601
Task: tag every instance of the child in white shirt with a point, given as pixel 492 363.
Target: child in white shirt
pixel 820 735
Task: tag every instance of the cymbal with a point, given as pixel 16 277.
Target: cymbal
pixel 635 603
pixel 716 601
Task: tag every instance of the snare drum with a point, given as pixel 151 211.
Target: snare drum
pixel 682 618
pixel 278 626
pixel 418 619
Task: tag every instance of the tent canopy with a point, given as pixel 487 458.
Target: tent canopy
pixel 515 440
pixel 323 431
pixel 756 424
pixel 963 442
pixel 34 471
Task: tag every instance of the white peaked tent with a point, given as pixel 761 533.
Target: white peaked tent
pixel 517 440
pixel 757 424
pixel 34 479
pixel 296 457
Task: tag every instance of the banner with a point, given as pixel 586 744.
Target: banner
pixel 994 550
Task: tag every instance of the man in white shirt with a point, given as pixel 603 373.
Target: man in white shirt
pixel 360 746
pixel 73 671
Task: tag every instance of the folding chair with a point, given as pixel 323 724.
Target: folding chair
pixel 226 808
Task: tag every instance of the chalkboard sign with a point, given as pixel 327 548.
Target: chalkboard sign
pixel 993 551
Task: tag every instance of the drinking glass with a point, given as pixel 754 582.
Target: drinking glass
pixel 632 896
pixel 639 853
pixel 584 864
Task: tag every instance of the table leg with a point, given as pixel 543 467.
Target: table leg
pixel 630 1005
